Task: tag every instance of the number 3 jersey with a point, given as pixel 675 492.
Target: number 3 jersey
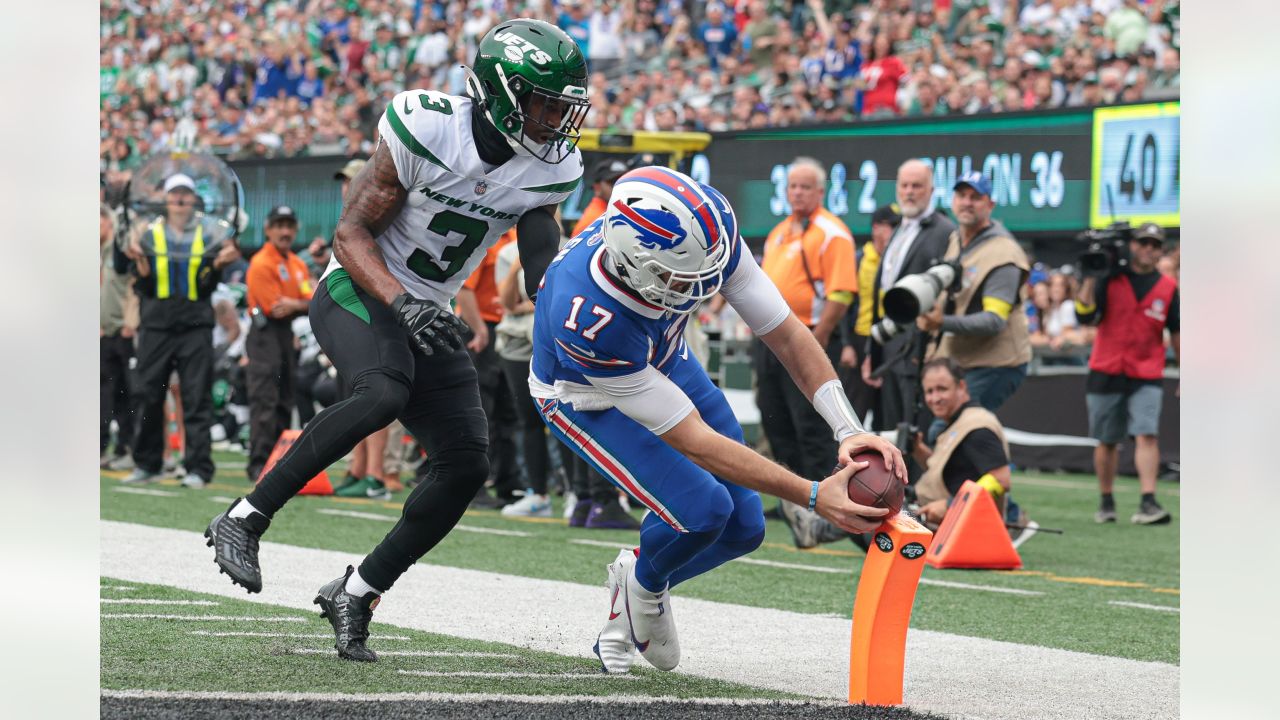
pixel 456 208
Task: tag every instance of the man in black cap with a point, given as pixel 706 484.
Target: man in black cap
pixel 607 173
pixel 279 290
pixel 1126 368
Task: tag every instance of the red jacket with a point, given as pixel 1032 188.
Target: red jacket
pixel 1130 340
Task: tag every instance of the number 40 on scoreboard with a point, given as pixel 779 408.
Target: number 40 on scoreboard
pixel 1136 165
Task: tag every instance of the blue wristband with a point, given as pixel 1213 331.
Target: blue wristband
pixel 813 496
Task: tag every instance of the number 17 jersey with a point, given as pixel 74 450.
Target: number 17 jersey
pixel 457 208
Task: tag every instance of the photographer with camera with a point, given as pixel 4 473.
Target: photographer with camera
pixel 1126 367
pixel 917 244
pixel 983 325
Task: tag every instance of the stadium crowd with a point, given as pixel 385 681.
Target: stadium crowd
pixel 284 78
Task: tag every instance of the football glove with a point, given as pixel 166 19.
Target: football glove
pixel 431 327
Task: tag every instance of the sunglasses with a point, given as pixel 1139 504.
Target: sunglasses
pixel 1149 242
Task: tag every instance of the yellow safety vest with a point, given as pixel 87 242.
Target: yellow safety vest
pixel 162 261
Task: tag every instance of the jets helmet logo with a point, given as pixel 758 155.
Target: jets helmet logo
pixel 647 224
pixel 517 49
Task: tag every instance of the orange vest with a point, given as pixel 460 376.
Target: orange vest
pixel 483 283
pixel 825 248
pixel 272 276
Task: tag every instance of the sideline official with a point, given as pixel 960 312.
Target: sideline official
pixel 809 256
pixel 175 277
pixel 279 290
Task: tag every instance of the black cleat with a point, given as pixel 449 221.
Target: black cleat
pixel 235 547
pixel 349 615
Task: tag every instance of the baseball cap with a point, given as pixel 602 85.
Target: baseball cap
pixel 282 212
pixel 1149 230
pixel 610 169
pixel 179 180
pixel 350 170
pixel 976 181
pixel 886 214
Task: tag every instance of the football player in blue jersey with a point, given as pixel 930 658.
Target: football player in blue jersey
pixel 615 382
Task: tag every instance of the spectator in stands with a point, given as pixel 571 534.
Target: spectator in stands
pixel 717 34
pixel 604 47
pixel 1126 368
pixel 280 289
pixel 881 75
pixel 117 327
pixel 809 256
pixel 174 279
pixel 576 23
pixel 1060 324
pixel 917 244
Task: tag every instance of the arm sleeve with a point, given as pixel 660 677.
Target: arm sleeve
pixel 648 397
pixel 999 290
pixel 753 296
pixel 538 235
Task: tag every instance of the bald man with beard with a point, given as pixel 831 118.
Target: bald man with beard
pixel 919 243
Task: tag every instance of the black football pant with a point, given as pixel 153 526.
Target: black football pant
pixel 114 399
pixel 499 409
pixel 436 398
pixel 533 432
pixel 269 377
pixel 797 434
pixel 190 352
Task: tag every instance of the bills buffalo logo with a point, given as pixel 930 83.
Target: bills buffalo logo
pixel 654 228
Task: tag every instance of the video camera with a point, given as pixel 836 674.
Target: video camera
pixel 911 296
pixel 1108 252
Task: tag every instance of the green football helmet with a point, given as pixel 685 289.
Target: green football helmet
pixel 530 80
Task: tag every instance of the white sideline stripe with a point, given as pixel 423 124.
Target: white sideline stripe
pixel 153 601
pixel 1027 534
pixel 119 588
pixel 794 566
pixel 509 675
pixel 291 636
pixel 198 618
pixel 221 499
pixel 604 544
pixel 410 653
pixel 1144 606
pixel 391 519
pixel 1033 439
pixel 145 491
pixel 456 697
pixel 802 653
pixel 987 588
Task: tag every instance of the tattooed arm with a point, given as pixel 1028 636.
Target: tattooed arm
pixel 373 201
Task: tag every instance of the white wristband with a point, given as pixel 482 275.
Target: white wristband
pixel 832 404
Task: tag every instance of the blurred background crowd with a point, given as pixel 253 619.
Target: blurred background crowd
pixel 287 78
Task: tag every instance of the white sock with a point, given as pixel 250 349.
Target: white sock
pixel 358 587
pixel 242 509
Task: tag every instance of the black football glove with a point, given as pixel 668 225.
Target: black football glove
pixel 431 327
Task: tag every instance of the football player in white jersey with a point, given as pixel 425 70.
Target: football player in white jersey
pixel 449 176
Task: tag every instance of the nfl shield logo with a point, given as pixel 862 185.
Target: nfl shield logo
pixel 481 187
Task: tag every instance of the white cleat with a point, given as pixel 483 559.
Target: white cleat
pixel 614 646
pixel 531 505
pixel 653 628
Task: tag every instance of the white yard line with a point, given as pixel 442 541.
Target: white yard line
pixel 789 651
pixel 291 636
pixel 1144 606
pixel 118 588
pixel 145 491
pixel 603 544
pixel 985 588
pixel 389 518
pixel 153 601
pixel 510 675
pixel 221 499
pixel 197 618
pixel 454 697
pixel 412 653
pixel 795 566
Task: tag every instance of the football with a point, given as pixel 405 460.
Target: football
pixel 874 485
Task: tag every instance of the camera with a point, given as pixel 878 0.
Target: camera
pixel 1108 252
pixel 911 296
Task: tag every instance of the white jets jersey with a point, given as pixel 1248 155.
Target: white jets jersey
pixel 455 210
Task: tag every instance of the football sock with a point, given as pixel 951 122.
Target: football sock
pixel 358 587
pixel 1108 501
pixel 1148 497
pixel 241 509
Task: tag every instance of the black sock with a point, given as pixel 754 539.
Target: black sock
pixel 1148 497
pixel 1108 501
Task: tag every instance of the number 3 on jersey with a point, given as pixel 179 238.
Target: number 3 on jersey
pixel 594 329
pixel 454 257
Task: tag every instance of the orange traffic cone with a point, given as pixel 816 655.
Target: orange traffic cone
pixel 972 534
pixel 318 485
